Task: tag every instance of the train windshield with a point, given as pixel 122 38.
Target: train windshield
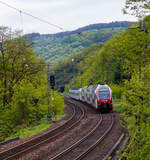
pixel 104 94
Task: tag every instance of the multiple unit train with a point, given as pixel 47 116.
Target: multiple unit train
pixel 99 96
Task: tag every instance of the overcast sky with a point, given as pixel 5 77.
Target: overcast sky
pixel 68 14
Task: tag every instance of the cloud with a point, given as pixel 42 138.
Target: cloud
pixel 69 14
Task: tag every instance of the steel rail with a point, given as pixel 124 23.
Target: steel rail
pixel 113 149
pixel 97 142
pixel 31 147
pixel 58 156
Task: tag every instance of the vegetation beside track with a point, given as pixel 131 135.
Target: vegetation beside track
pixel 31 130
pixel 24 98
pixel 35 128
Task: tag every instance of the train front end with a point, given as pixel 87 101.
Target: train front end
pixel 104 98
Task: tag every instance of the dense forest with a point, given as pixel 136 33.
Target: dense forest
pixel 55 47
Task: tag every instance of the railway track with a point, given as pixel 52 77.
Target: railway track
pixel 82 147
pixel 28 146
pixel 110 143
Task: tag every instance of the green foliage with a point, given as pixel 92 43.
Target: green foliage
pixel 118 91
pixel 137 114
pixel 129 54
pixel 139 8
pixel 23 78
pixel 23 130
pixel 59 104
pixel 67 69
pixel 54 48
pixel 31 130
pixel 99 66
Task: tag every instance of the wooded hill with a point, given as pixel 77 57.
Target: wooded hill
pixel 55 47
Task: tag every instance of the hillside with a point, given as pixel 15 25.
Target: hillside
pixel 67 69
pixel 54 47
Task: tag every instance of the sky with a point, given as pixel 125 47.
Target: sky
pixel 67 14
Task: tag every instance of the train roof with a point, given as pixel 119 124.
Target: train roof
pixel 92 86
pixel 103 87
pixel 74 88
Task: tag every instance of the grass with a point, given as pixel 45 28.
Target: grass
pixel 32 130
pixel 118 105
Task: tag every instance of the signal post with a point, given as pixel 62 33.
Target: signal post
pixel 52 84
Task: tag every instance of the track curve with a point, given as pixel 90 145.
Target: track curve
pixel 16 151
pixel 82 147
pixel 85 136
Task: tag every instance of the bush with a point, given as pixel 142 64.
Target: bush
pixel 117 91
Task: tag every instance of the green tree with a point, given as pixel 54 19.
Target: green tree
pixel 139 8
pixel 22 79
pixel 17 62
pixel 137 113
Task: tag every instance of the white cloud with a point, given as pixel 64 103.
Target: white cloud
pixel 69 14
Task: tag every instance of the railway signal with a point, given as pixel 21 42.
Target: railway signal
pixel 52 84
pixel 52 81
pixel 35 100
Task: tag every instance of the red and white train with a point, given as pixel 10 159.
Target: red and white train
pixel 99 96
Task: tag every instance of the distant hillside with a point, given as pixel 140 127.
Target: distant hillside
pixel 54 47
pixel 66 69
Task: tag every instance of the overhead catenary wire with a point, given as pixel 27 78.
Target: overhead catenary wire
pixel 21 19
pixel 81 34
pixel 42 20
pixel 35 17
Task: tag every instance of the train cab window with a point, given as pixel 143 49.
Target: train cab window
pixel 103 94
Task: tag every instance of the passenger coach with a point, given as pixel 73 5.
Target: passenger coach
pixel 99 96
